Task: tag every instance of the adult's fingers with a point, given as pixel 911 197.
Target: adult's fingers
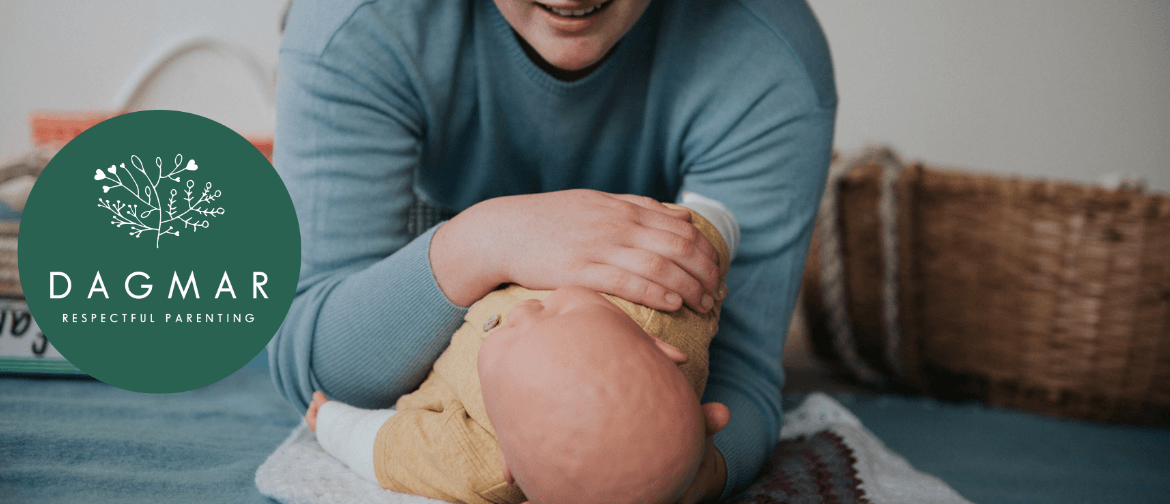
pixel 681 251
pixel 653 205
pixel 686 230
pixel 661 270
pixel 717 417
pixel 619 282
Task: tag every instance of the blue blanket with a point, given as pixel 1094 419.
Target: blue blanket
pixel 994 455
pixel 79 440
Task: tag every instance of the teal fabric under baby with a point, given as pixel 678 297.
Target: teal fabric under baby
pixel 993 455
pixel 79 440
pixel 66 440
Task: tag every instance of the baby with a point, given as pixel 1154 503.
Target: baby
pixel 550 397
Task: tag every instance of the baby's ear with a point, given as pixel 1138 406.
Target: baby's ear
pixel 507 472
pixel 671 351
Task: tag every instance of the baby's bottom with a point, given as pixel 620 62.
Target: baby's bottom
pixel 347 433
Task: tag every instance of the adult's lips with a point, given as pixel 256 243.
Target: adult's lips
pixel 575 10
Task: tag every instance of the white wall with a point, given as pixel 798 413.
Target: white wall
pixel 1058 88
pixel 76 55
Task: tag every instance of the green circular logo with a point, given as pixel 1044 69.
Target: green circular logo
pixel 159 251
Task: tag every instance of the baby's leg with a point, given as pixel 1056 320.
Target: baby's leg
pixel 346 432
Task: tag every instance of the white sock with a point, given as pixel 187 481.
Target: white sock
pixel 348 433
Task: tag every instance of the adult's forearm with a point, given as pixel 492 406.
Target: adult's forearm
pixel 775 205
pixel 364 336
pixel 368 319
pixel 746 356
pixel 463 258
pixel 746 442
pixel 746 374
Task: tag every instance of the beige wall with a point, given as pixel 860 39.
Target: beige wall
pixel 1056 88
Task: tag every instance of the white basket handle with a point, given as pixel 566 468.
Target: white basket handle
pixel 136 85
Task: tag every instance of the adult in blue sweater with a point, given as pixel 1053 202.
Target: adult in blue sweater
pixel 535 122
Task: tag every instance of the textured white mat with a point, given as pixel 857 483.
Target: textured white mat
pixel 885 476
pixel 300 472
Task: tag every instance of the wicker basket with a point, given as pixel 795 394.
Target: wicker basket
pixel 9 274
pixel 16 178
pixel 1046 296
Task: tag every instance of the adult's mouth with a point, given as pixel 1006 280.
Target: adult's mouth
pixel 568 11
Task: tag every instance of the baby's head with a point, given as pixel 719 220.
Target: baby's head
pixel 587 406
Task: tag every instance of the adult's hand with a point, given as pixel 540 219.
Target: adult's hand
pixel 630 246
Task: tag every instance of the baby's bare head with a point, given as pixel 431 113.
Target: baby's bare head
pixel 587 406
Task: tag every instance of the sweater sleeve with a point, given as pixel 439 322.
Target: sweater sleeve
pixel 368 318
pixel 773 191
pixel 763 150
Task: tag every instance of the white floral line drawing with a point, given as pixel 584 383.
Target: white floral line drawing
pixel 127 214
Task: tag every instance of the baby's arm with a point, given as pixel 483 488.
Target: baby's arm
pixel 718 215
pixel 347 433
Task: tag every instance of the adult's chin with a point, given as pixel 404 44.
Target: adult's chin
pixel 571 58
pixel 567 43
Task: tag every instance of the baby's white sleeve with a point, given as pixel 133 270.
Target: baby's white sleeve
pixel 348 433
pixel 717 214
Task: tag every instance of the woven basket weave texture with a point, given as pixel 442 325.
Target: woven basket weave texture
pixel 1047 296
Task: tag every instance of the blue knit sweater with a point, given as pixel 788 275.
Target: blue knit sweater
pixel 389 105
